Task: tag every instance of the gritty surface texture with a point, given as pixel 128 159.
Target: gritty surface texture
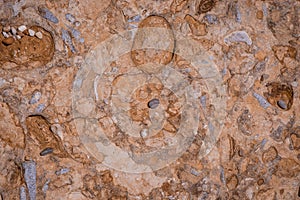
pixel 139 99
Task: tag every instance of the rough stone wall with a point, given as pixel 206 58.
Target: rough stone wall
pixel 166 99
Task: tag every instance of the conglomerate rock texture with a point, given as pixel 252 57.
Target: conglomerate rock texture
pixel 136 99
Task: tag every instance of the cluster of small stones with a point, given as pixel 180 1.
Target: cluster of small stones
pixel 11 34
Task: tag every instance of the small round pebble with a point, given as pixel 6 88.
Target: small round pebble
pixel 31 32
pixel 77 23
pixel 39 35
pixel 153 103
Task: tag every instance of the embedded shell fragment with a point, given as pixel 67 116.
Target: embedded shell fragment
pixel 154 42
pixel 280 95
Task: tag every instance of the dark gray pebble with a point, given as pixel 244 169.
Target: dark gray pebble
pixel 282 104
pixel 153 103
pixel 46 151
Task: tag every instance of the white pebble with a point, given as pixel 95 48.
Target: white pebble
pixel 5 34
pixel 144 133
pixel 13 31
pixel 39 35
pixel 77 23
pixel 22 28
pixel 31 32
pixel 18 37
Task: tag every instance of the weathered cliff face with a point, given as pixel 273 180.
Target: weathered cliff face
pixel 141 99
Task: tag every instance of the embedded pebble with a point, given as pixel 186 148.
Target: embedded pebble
pixel 46 186
pixel 62 171
pixel 22 193
pixel 35 97
pixel 144 133
pixel 197 28
pixel 13 30
pixel 262 101
pixel 30 178
pixel 67 40
pixel 153 103
pixel 18 37
pixel 238 36
pixel 40 107
pixel 211 19
pixel 22 28
pixel 5 34
pixel 203 101
pixel 31 32
pixel 70 17
pixel 195 172
pixel 46 151
pixel 47 14
pixel 8 41
pixel 136 18
pixel 282 104
pixel 77 23
pixel 75 33
pixel 39 35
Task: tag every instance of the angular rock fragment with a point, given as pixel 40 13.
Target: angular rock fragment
pixel 282 51
pixel 197 28
pixel 245 122
pixel 177 5
pixel 238 36
pixel 22 28
pixel 295 138
pixel 39 130
pixel 39 35
pixel 232 182
pixel 287 168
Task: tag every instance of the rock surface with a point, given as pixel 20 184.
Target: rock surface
pixel 169 99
